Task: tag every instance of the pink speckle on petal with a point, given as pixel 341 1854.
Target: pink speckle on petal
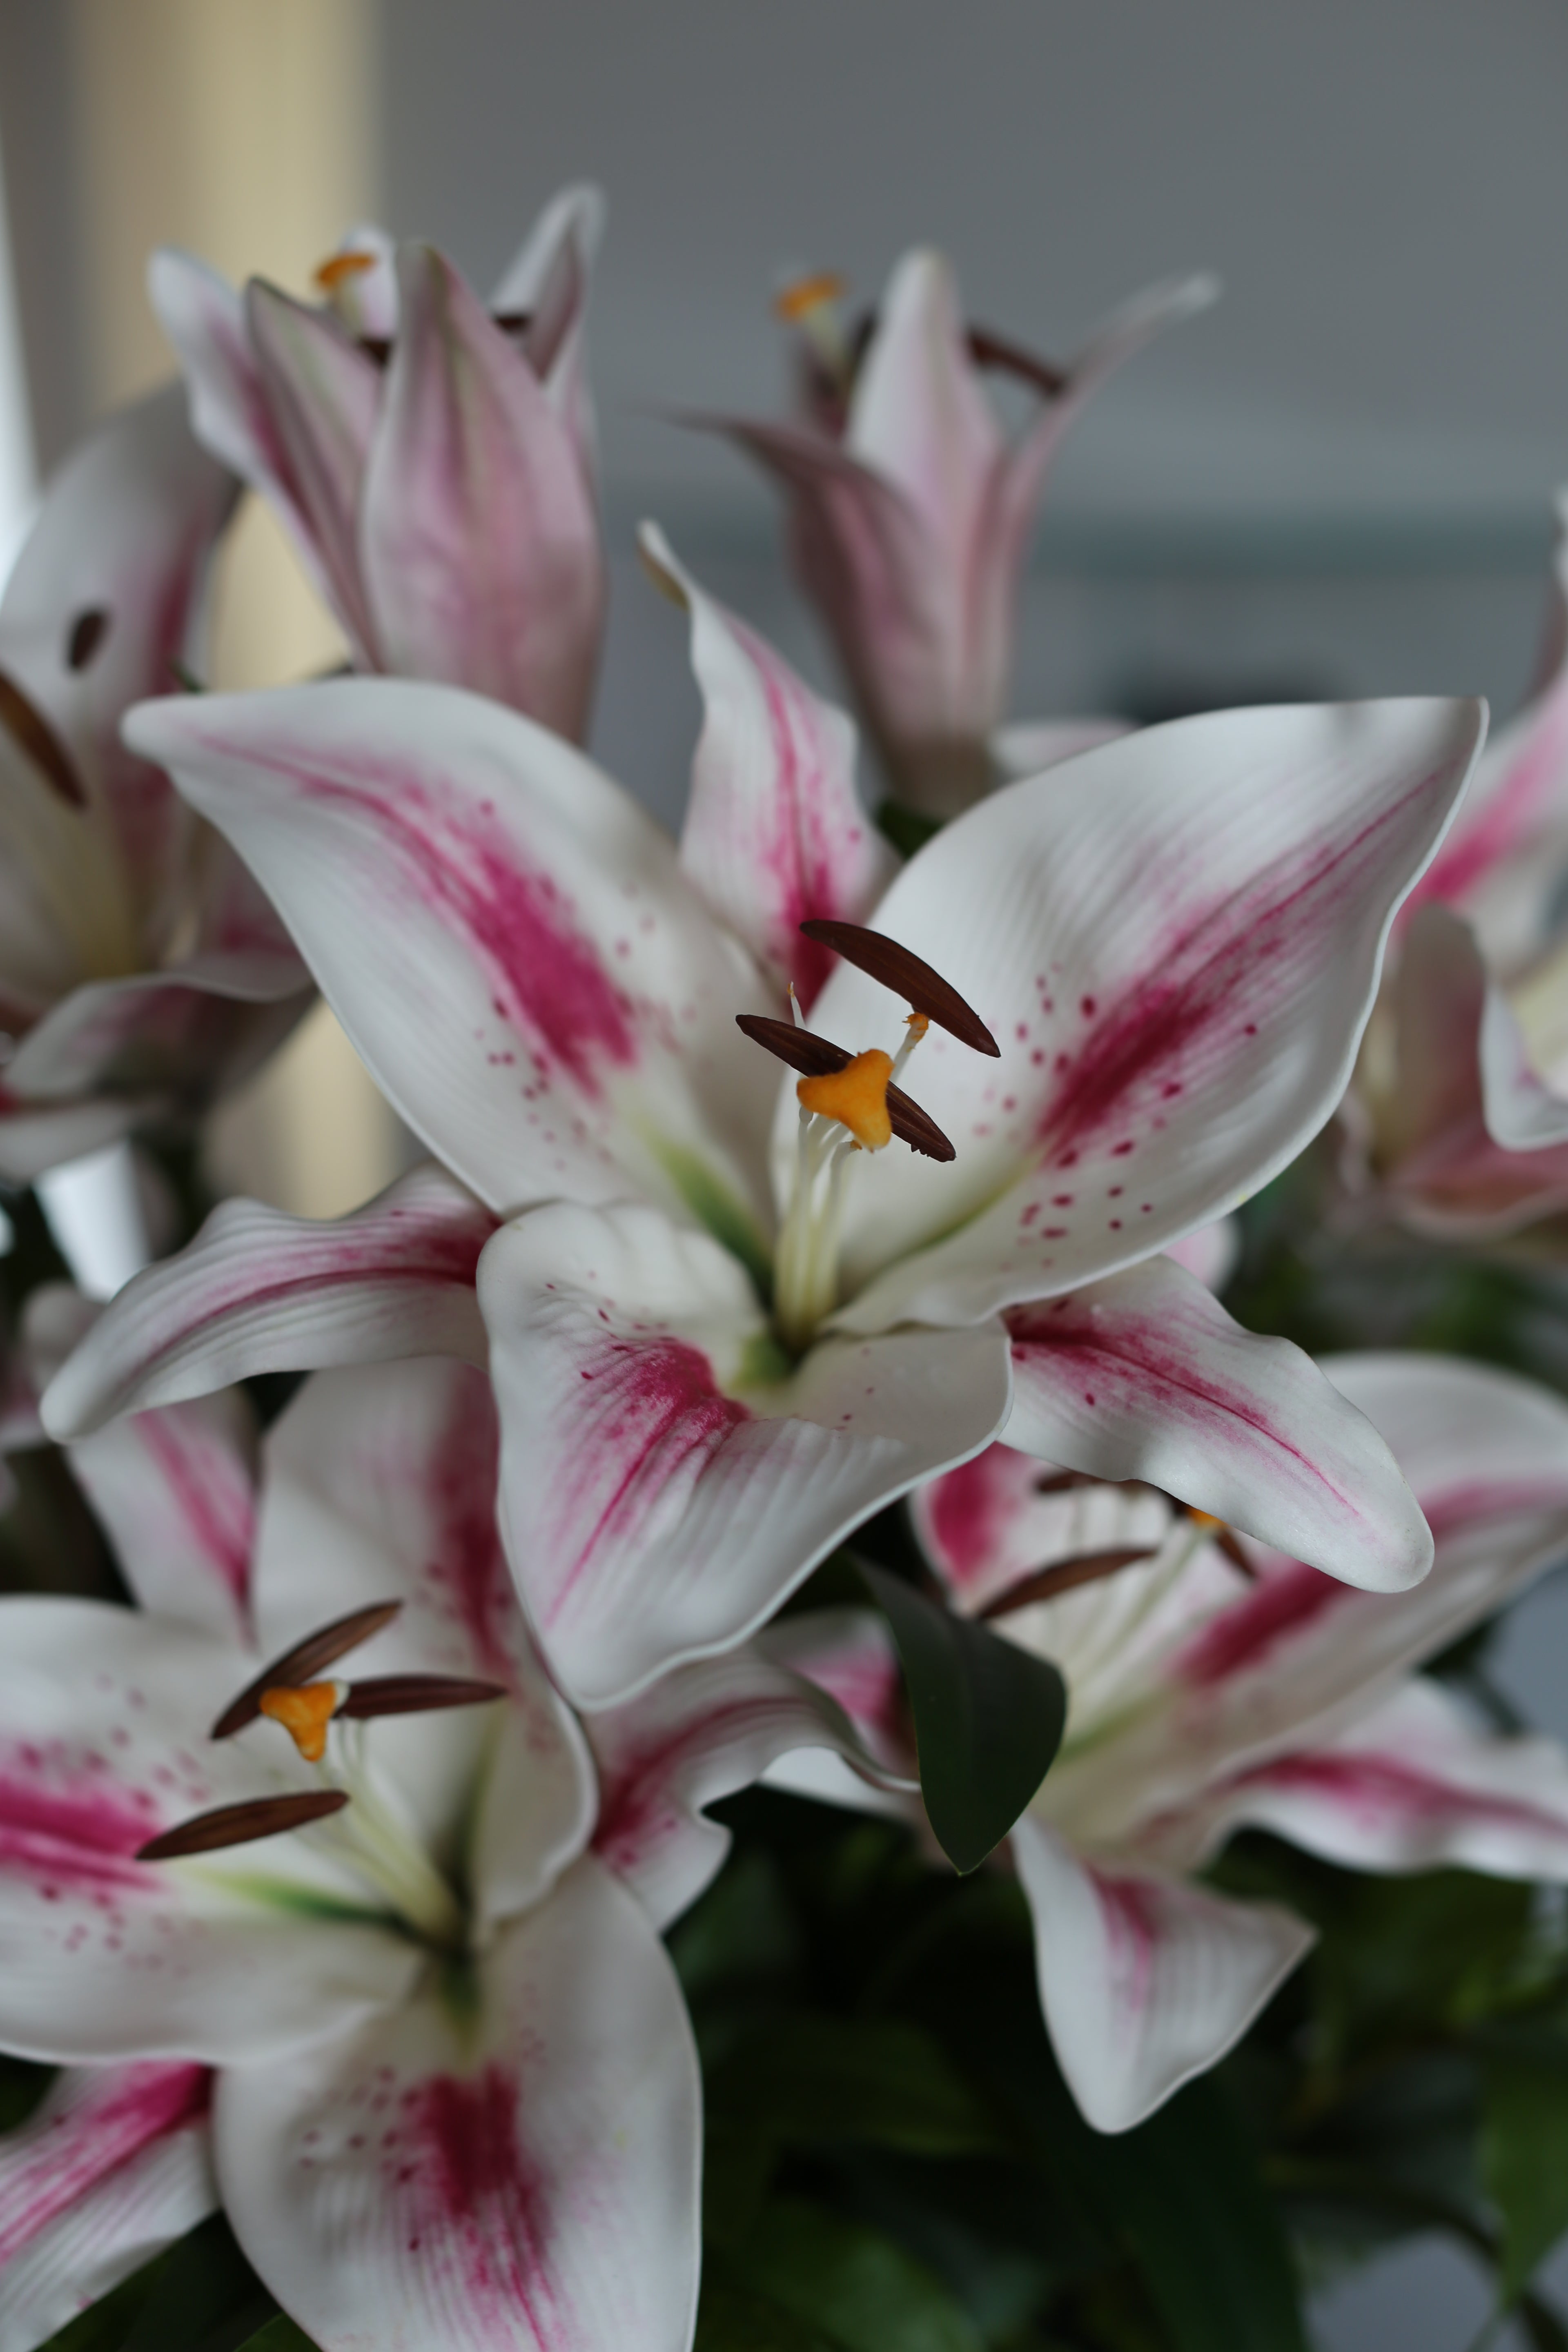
pixel 472 2203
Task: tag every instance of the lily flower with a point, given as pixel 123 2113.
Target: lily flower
pixel 910 511
pixel 720 1337
pixel 455 2076
pixel 431 458
pixel 141 970
pixel 1213 1684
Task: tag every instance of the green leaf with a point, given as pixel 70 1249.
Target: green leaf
pixel 731 2320
pixel 1525 2152
pixel 907 828
pixel 281 2334
pixel 814 2080
pixel 207 2285
pixel 988 1719
pixel 848 2283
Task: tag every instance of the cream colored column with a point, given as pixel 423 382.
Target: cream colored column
pixel 246 131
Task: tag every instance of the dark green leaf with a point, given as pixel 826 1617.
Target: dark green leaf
pixel 907 828
pixel 818 2081
pixel 280 2335
pixel 208 2297
pixel 988 1719
pixel 1524 2152
pixel 849 2284
pixel 734 2320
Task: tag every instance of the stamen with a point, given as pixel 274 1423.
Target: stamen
pixel 909 976
pixel 338 267
pixel 32 733
pixel 413 1695
pixel 241 1824
pixel 1063 1575
pixel 795 302
pixel 1043 376
pixel 305 1714
pixel 1216 1532
pixel 856 1095
pixel 813 1056
pixel 304 1663
pixel 87 633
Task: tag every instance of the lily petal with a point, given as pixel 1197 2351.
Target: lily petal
pixel 700 1734
pixel 774 831
pixel 1145 1981
pixel 520 2169
pixel 1145 1376
pixel 381 1486
pixel 257 1291
pixel 574 1030
pixel 235 1955
pixel 175 1491
pixel 177 1031
pixel 663 1488
pixel 110 2169
pixel 991 1523
pixel 546 282
pixel 479 544
pixel 1177 957
pixel 1413 1785
pixel 1028 746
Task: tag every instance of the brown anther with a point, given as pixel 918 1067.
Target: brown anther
pixel 304 1663
pixel 416 1694
pixel 1064 1576
pixel 1219 1534
pixel 88 632
pixel 814 1056
pixel 32 733
pixel 1060 1482
pixel 990 350
pixel 908 976
pixel 242 1824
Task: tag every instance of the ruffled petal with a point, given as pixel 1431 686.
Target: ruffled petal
pixel 515 2169
pixel 774 831
pixel 1145 1376
pixel 574 1027
pixel 1145 1981
pixel 1176 940
pixel 176 1492
pixel 258 1291
pixel 666 1481
pixel 110 2169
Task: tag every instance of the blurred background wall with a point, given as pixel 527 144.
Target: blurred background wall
pixel 1339 482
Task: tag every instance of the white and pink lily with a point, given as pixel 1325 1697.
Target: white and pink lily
pixel 141 970
pixel 910 512
pixel 438 2010
pixel 717 1341
pixel 1203 1697
pixel 431 458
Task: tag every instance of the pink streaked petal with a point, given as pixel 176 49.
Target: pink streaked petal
pixel 547 282
pixel 323 393
pixel 479 539
pixel 1145 1980
pixel 113 2168
pixel 1413 1785
pixel 1145 1376
pixel 987 1525
pixel 176 1492
pixel 520 2172
pixel 260 1291
pixel 661 1493
pixel 774 831
pixel 178 1031
pixel 104 1957
pixel 204 317
pixel 700 1734
pixel 574 1030
pixel 1176 957
pixel 127 529
pixel 381 1486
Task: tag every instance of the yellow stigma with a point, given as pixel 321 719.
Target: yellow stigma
pixel 917 1024
pixel 304 1714
pixel 856 1095
pixel 337 267
pixel 801 296
pixel 1204 1519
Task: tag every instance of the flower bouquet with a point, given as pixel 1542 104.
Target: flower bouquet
pixel 742 1711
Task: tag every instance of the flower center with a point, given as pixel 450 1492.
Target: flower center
pixel 849 1103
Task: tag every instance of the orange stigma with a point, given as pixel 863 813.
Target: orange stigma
pixel 801 296
pixel 305 1714
pixel 856 1095
pixel 337 267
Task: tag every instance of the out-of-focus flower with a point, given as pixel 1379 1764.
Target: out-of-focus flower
pixel 910 510
pixel 432 457
pixel 141 970
pixel 437 2008
pixel 1212 1687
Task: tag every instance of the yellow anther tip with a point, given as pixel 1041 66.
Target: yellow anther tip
pixel 856 1095
pixel 337 266
pixel 803 295
pixel 304 1714
pixel 917 1024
